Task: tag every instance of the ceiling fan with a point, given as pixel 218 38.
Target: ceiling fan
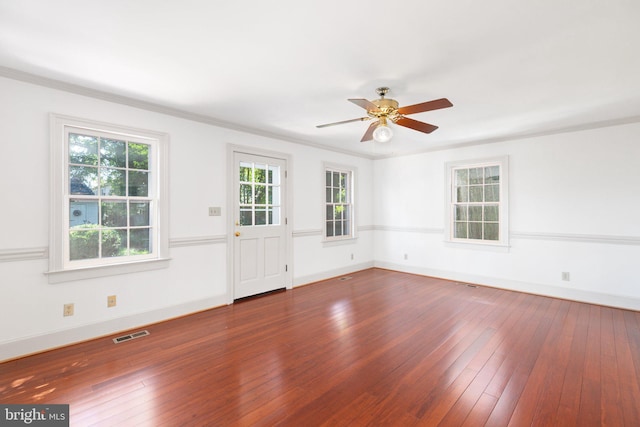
pixel 384 110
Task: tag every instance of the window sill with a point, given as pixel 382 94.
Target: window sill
pixel 106 270
pixel 338 242
pixel 479 246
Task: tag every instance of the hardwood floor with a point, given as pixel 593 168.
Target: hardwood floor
pixel 381 348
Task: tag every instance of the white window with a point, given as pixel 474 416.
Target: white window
pixel 339 214
pixel 477 206
pixel 108 199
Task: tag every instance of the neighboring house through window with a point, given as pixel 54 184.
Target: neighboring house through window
pixel 339 214
pixel 477 201
pixel 109 196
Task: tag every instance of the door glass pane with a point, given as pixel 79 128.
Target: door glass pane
pixel 246 217
pixel 260 173
pixel 245 172
pixel 274 218
pixel 261 217
pixel 245 194
pixel 260 197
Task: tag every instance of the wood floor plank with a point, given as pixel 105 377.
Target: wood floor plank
pixel 379 348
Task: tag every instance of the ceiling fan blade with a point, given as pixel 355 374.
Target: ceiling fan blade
pixel 436 104
pixel 416 125
pixel 361 119
pixel 368 135
pixel 366 104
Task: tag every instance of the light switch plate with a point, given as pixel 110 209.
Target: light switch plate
pixel 215 211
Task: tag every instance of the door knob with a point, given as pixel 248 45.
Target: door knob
pixel 237 233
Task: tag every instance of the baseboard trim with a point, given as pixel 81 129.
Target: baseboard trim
pixel 608 300
pixel 305 280
pixel 51 340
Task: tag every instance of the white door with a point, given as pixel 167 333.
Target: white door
pixel 260 225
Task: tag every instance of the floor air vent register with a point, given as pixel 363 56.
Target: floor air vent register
pixel 130 336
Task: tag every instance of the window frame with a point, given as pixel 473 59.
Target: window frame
pixel 351 197
pixel 61 268
pixel 503 202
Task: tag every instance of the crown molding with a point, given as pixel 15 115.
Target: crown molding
pixel 23 76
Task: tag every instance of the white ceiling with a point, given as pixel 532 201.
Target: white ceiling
pixel 511 68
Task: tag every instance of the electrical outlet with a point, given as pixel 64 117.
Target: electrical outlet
pixel 351 257
pixel 111 301
pixel 406 256
pixel 565 276
pixel 67 310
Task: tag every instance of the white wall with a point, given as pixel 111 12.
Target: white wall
pixel 31 309
pixel 573 208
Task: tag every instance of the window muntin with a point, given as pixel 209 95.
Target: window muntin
pixel 108 196
pixel 339 204
pixel 476 203
pixel 259 196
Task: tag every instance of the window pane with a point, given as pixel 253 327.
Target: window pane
pixel 329 228
pixel 475 176
pixel 460 231
pixel 328 195
pixel 327 175
pixel 140 241
pixel 84 243
pixel 462 177
pixel 83 149
pixel 475 194
pixel 139 156
pixel 346 226
pixel 246 217
pixel 491 213
pixel 139 214
pixel 492 193
pixel 83 180
pixel 475 230
pixel 336 179
pixel 138 184
pixel 475 213
pixel 329 212
pixel 491 174
pixel 112 182
pixel 336 195
pixel 338 211
pixel 462 194
pixel 82 212
pixel 491 232
pixel 114 243
pixel 113 153
pixel 338 228
pixel 114 214
pixel 461 213
pixel 346 212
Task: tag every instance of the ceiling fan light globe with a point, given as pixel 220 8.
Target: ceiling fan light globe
pixel 383 133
